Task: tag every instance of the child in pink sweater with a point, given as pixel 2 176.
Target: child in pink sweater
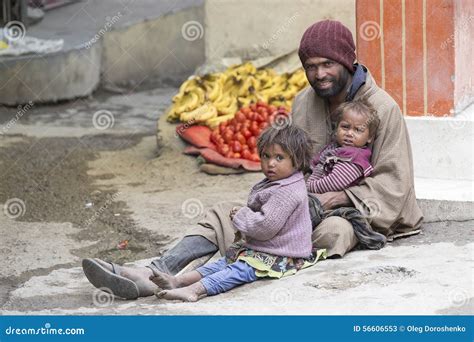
pixel 276 225
pixel 345 161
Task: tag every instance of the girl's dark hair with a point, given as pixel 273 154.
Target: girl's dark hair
pixel 360 106
pixel 293 140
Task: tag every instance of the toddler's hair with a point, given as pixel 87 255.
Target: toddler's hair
pixel 360 106
pixel 293 140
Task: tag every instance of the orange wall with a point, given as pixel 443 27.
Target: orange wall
pixel 408 46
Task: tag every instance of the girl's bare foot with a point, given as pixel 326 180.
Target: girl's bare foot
pixel 191 293
pixel 164 281
pixel 168 282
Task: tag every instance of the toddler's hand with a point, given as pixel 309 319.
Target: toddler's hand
pixel 232 213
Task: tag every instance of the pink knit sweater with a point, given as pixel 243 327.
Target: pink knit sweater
pixel 276 219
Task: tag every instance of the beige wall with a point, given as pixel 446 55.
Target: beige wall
pixel 259 28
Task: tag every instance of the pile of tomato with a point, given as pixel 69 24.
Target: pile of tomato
pixel 237 138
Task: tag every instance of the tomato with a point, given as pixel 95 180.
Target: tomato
pixel 229 154
pixel 240 138
pixel 254 157
pixel 236 146
pixel 252 142
pixel 245 110
pixel 254 129
pixel 259 118
pixel 236 155
pixel 253 107
pixel 272 108
pixel 238 127
pixel 224 149
pixel 228 136
pixel 263 125
pixel 246 133
pixel 240 117
pixel 246 154
pixel 265 116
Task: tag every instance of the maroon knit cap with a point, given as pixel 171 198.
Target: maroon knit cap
pixel 328 39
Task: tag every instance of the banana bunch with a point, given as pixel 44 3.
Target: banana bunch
pixel 216 97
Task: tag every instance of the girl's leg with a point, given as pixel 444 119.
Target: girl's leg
pixel 166 281
pixel 233 275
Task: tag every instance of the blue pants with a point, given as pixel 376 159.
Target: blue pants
pixel 219 276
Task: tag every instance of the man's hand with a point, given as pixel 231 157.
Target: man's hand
pixel 331 200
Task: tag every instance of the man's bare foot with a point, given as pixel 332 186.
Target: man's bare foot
pixel 165 281
pixel 139 275
pixel 191 293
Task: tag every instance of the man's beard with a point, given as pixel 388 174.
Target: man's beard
pixel 337 85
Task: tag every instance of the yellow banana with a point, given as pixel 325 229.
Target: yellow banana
pixel 201 114
pixel 214 122
pixel 214 90
pixel 231 109
pixel 189 102
pixel 224 101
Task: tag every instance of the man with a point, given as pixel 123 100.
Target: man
pixel 327 53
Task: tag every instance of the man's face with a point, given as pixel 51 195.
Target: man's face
pixel 328 78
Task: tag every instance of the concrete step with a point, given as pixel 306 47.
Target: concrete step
pixel 445 200
pixel 106 42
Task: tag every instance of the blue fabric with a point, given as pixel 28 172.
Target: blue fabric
pixel 218 277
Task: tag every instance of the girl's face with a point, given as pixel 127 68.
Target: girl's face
pixel 353 130
pixel 276 163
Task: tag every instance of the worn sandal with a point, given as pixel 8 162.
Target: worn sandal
pixel 102 278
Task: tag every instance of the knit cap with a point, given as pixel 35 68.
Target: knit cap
pixel 328 39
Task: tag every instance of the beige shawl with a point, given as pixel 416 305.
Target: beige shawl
pixel 388 195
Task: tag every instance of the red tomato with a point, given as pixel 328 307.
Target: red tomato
pixel 245 110
pixel 240 138
pixel 271 108
pixel 246 154
pixel 236 155
pixel 224 149
pixel 253 107
pixel 228 136
pixel 259 118
pixel 238 127
pixel 229 154
pixel 236 146
pixel 263 125
pixel 252 142
pixel 240 117
pixel 261 104
pixel 246 133
pixel 254 129
pixel 254 157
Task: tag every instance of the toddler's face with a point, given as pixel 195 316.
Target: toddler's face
pixel 276 163
pixel 353 130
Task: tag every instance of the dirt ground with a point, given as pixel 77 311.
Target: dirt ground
pixel 83 190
